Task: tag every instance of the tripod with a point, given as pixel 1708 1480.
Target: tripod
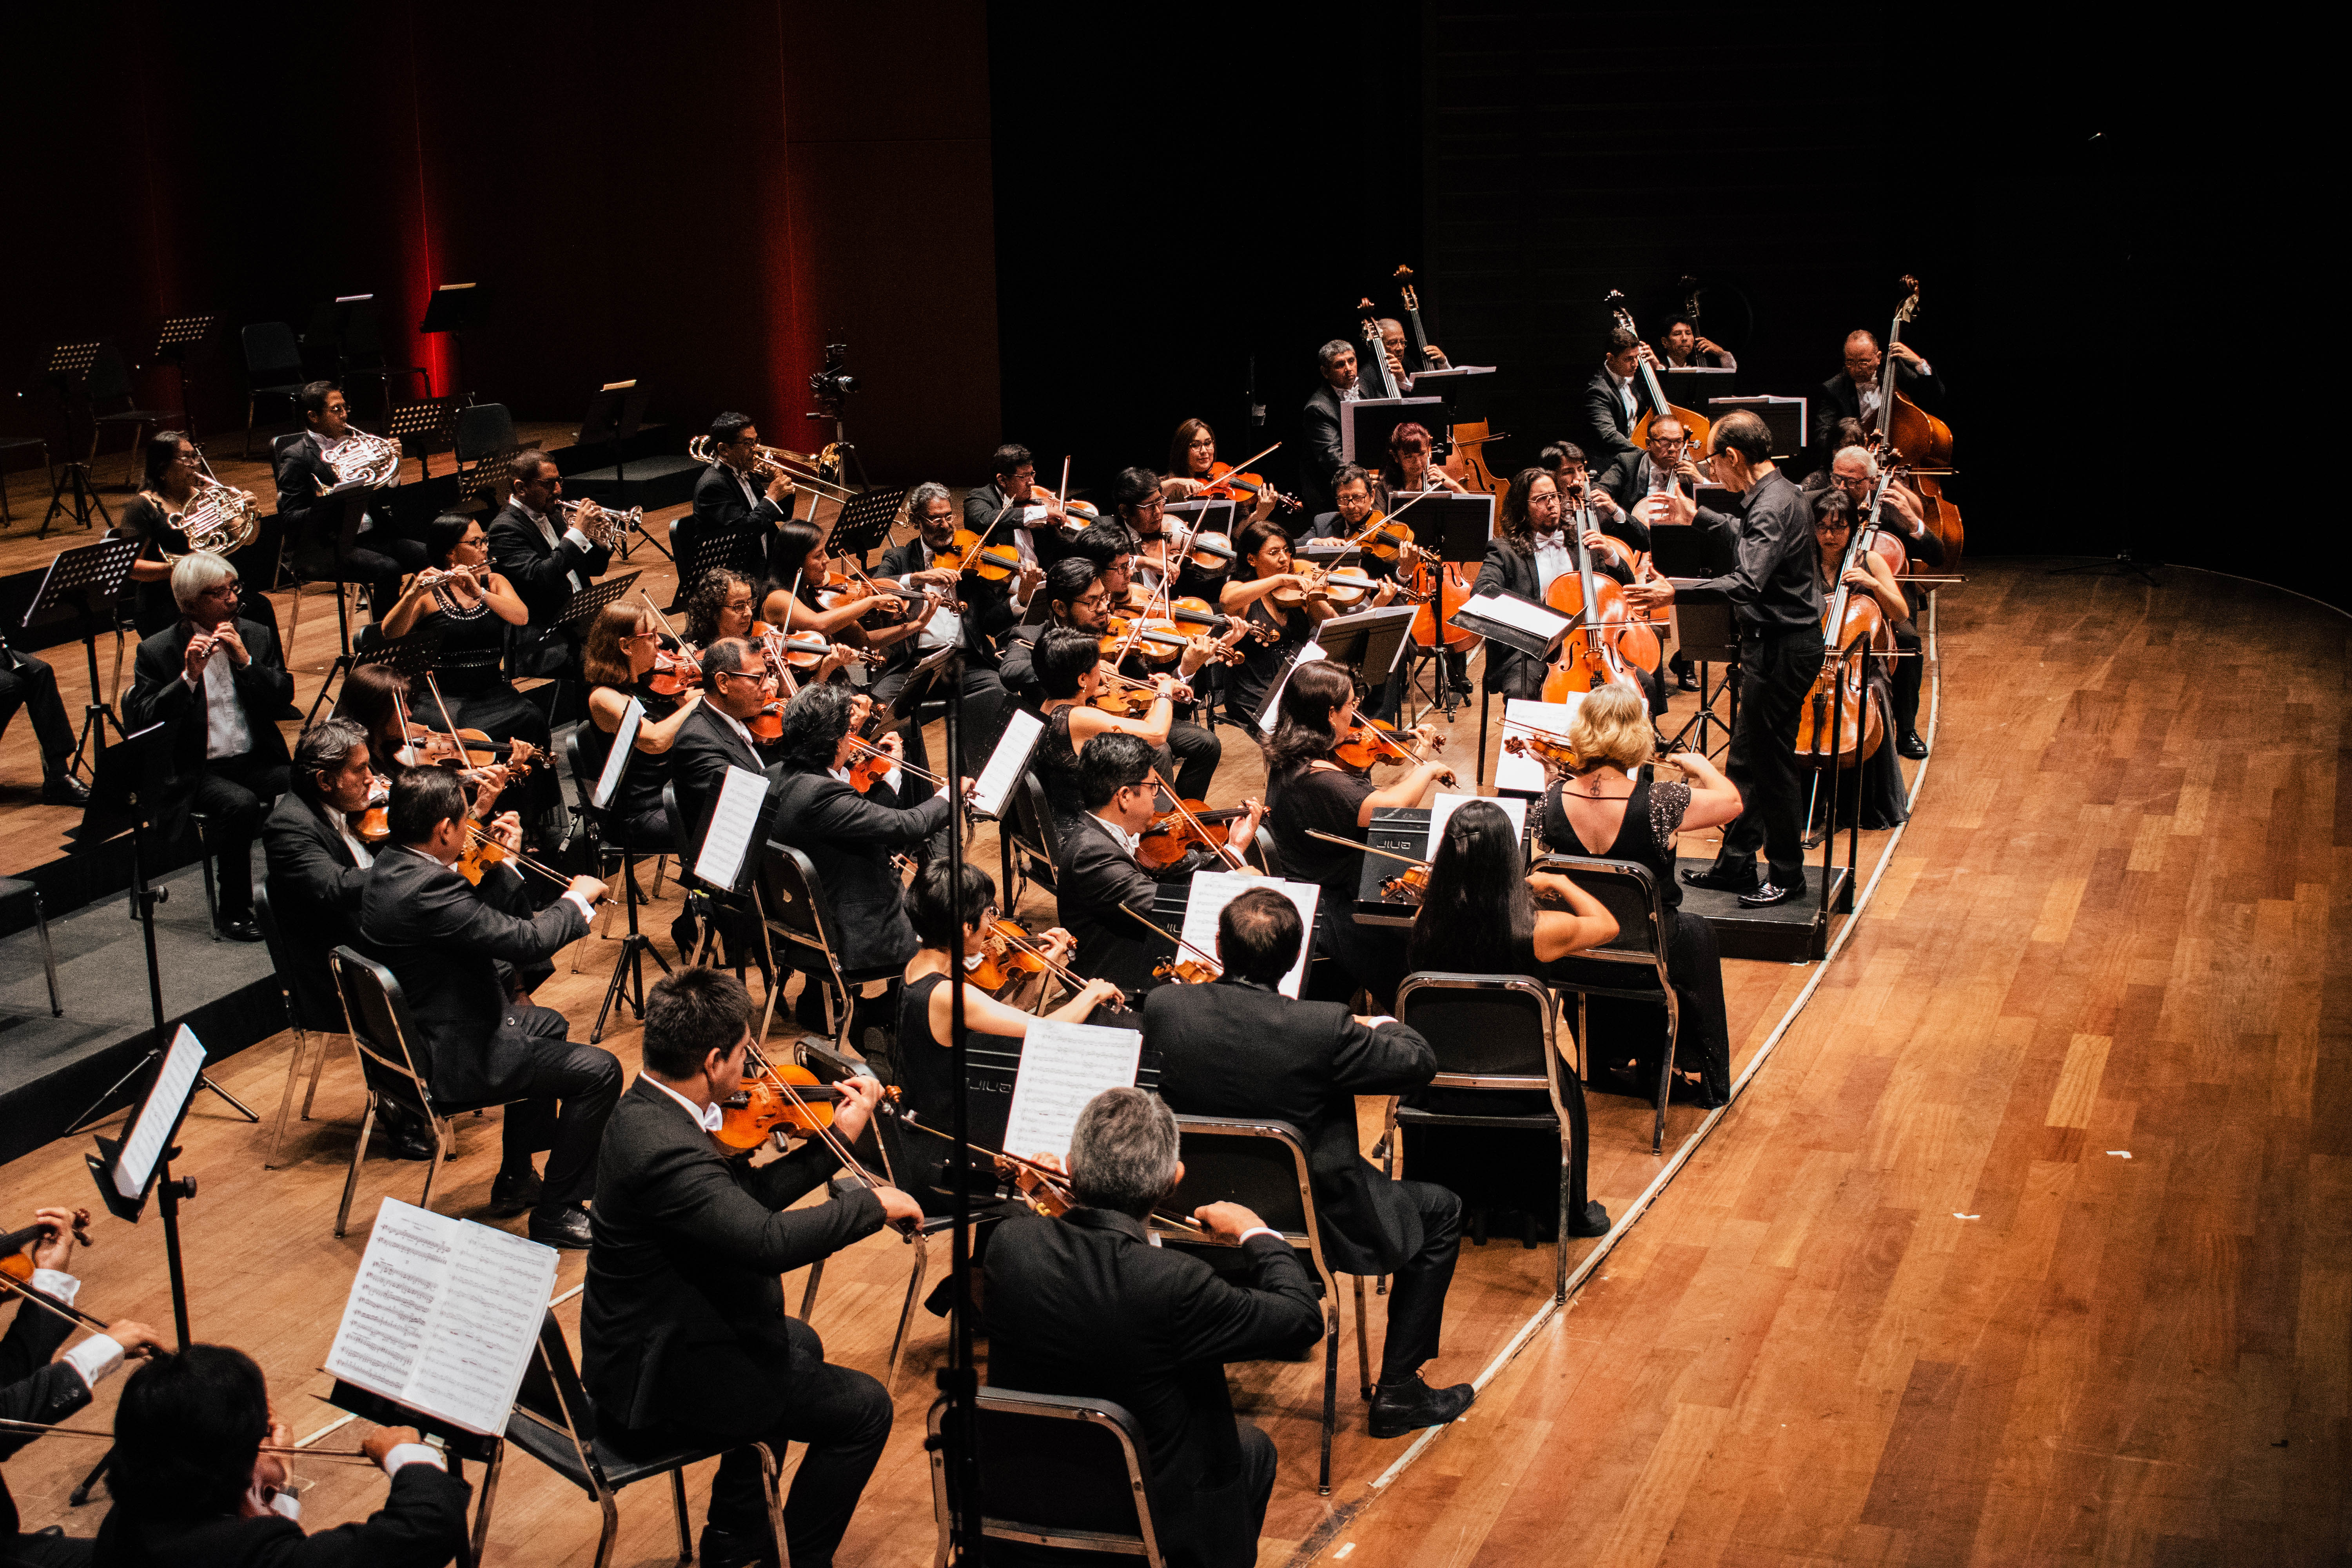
pixel 68 365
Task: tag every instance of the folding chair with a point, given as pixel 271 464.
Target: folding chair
pixel 1630 895
pixel 1028 841
pixel 273 368
pixel 795 907
pixel 312 1007
pixel 1076 1474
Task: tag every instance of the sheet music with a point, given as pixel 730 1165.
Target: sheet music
pixel 1212 891
pixel 1518 613
pixel 1445 806
pixel 161 1113
pixel 1063 1067
pixel 1005 765
pixel 732 822
pixel 1273 714
pixel 1521 715
pixel 625 742
pixel 443 1316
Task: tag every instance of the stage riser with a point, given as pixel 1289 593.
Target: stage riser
pixel 1785 933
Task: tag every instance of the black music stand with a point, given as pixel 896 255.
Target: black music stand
pixel 423 428
pixel 94 575
pixel 411 656
pixel 1368 423
pixel 1519 641
pixel 865 521
pixel 1708 635
pixel 1369 640
pixel 1458 528
pixel 736 549
pixel 1203 516
pixel 455 309
pixel 155 1178
pixel 573 617
pixel 176 343
pixel 615 414
pixel 68 368
pixel 1465 389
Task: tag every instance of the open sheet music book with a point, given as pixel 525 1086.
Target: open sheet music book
pixel 443 1316
pixel 1064 1066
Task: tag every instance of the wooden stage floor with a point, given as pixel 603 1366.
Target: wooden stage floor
pixel 1905 1302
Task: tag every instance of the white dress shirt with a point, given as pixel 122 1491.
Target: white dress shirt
pixel 227 734
pixel 1127 841
pixel 96 1357
pixel 362 855
pixel 1553 557
pixel 710 1117
pixel 1625 396
pixel 547 531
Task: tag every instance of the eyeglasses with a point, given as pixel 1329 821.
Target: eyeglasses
pixel 1092 601
pixel 1202 445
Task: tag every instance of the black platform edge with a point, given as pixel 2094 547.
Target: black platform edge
pixel 1795 933
pixel 47 1108
pixel 75 880
pixel 651 483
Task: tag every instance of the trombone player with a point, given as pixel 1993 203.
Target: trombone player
pixel 306 467
pixel 729 495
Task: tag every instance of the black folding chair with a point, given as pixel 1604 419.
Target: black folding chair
pixel 273 368
pixel 1494 1033
pixel 1028 840
pixel 554 1423
pixel 1262 1166
pixel 312 1008
pixel 795 906
pixel 1617 968
pixel 1056 1471
pixel 376 1017
pixel 108 382
pixel 295 564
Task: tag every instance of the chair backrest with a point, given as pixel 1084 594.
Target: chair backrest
pixel 1075 1473
pixel 271 352
pixel 1259 1165
pixel 484 429
pixel 551 1394
pixel 585 771
pixel 107 380
pixel 375 1014
pixel 309 990
pixel 681 828
pixel 1032 826
pixel 1489 1031
pixel 795 902
pixel 1630 893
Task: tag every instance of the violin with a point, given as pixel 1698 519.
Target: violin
pixel 1409 886
pixel 1157 641
pixel 1385 538
pixel 371 823
pixel 966 552
pixel 1371 741
pixel 768 724
pixel 1224 484
pixel 1184 972
pixel 1175 833
pixel 760 1107
pixel 1191 612
pixel 1550 751
pixel 1211 551
pixel 16 1268
pixel 674 674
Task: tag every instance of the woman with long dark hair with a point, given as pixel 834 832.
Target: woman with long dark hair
pixel 617 660
pixel 1069 669
pixel 790 600
pixel 1479 915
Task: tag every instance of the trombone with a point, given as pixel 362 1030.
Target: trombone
pixel 801 467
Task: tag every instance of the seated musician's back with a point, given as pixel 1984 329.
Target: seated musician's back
pixel 1085 1305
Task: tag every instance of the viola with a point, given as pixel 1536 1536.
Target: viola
pixel 1191 612
pixel 1157 641
pixel 1552 753
pixel 966 552
pixel 1371 740
pixel 1210 552
pixel 762 1107
pixel 17 1270
pixel 1175 833
pixel 1382 536
pixel 675 673
pixel 1184 972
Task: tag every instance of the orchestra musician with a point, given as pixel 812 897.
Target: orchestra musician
pixel 1262 568
pixel 1613 806
pixel 467 958
pixel 1070 668
pixel 37 1384
pixel 1352 502
pixel 730 496
pixel 1665 461
pixel 1318 424
pixel 1478 914
pixel 1532 547
pixel 29 683
pixel 1683 349
pixel 1308 792
pixel 619 656
pixel 173 470
pixel 192 1486
pixel 1143 509
pixel 217 679
pixel 1099 886
pixel 1776 593
pixel 683 1336
pixel 1856 471
pixel 736 685
pixel 377 556
pixel 1878 796
pixel 1086 1305
pixel 1393 344
pixel 1852 394
pixel 1236 1046
pixel 1033 527
pixel 1192 456
pixel 1611 406
pixel 793 598
pixel 984 609
pixel 545 564
pixel 1410 470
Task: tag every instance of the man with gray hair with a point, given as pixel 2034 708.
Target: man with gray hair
pixel 219 680
pixel 1088 1305
pixel 1318 424
pixel 987 608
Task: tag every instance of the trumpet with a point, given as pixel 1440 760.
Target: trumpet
pixel 602 526
pixel 370 460
pixel 217 520
pixel 801 467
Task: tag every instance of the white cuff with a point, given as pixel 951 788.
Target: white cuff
pixel 578 539
pixel 413 1453
pixel 1261 1230
pixel 59 1283
pixel 580 902
pixel 897 779
pixel 95 1358
pixel 1380 1019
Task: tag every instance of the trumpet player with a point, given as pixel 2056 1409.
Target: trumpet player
pixel 547 561
pixel 732 495
pixel 376 555
pixel 176 481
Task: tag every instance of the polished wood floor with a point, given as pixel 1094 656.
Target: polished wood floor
pixel 2103 931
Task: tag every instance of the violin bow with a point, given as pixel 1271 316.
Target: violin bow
pixel 870 749
pixel 1179 941
pixel 663 619
pixel 826 1134
pixel 1173 1222
pixel 1367 848
pixel 51 1305
pixel 518 857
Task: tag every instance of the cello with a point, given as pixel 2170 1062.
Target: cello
pixel 1837 725
pixel 1466 464
pixel 1695 426
pixel 1589 658
pixel 1924 441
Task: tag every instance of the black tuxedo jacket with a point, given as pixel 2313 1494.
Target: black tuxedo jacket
pixel 849 838
pixel 1841 399
pixel 683 1320
pixel 1096 882
pixel 720 505
pixel 540 573
pixel 421 1524
pixel 1608 430
pixel 33 1388
pixel 1231 1048
pixel 988 606
pixel 445 941
pixel 1319 432
pixel 705 747
pixel 1628 483
pixel 1084 1305
pixel 158 695
pixel 300 470
pixel 315 888
pixel 1506 569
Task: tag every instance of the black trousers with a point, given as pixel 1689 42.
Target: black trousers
pixel 27 682
pixel 235 794
pixel 571 1092
pixel 1909 672
pixel 1192 753
pixel 1775 673
pixel 979 715
pixel 72 1550
pixel 843 1417
pixel 378 559
pixel 1417 1292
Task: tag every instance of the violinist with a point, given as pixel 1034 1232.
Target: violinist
pixel 737 686
pixel 1071 673
pixel 1856 471
pixel 1100 885
pixel 217 679
pixel 1318 423
pixel 1085 1305
pixel 729 495
pixel 1237 1046
pixel 1478 914
pixel 1160 549
pixel 985 609
pixel 467 959
pixel 1261 569
pixel 619 659
pixel 38 1385
pixel 1879 797
pixel 1035 515
pixel 1853 393
pixel 793 598
pixel 721 604
pixel 1613 806
pixel 1683 349
pixel 198 1477
pixel 1776 593
pixel 1191 462
pixel 683 1338
pixel 1309 791
pixel 544 565
pixel 950 918
pixel 1611 404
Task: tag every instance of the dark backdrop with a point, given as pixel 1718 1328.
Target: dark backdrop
pixel 697 197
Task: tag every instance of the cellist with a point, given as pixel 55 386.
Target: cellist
pixel 1776 591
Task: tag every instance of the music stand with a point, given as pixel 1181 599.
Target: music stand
pixel 128 1168
pixel 175 342
pixel 455 309
pixel 1458 528
pixel 68 367
pixel 94 573
pixel 1203 516
pixel 1709 635
pixel 1368 639
pixel 1464 389
pixel 423 427
pixel 865 521
pixel 614 414
pixel 410 656
pixel 573 617
pixel 736 549
pixel 1517 638
pixel 1366 425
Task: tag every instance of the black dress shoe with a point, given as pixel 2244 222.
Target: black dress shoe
pixel 1909 744
pixel 1721 881
pixel 1402 1409
pixel 1687 679
pixel 64 789
pixel 1766 894
pixel 565 1226
pixel 510 1194
pixel 239 928
pixel 735 1549
pixel 404 1141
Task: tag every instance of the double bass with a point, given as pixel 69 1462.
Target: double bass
pixel 1924 441
pixel 1466 464
pixel 1377 348
pixel 1695 426
pixel 1839 725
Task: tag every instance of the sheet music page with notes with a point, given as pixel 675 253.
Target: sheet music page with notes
pixel 732 822
pixel 625 742
pixel 1064 1066
pixel 443 1316
pixel 159 1113
pixel 1005 765
pixel 1212 891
